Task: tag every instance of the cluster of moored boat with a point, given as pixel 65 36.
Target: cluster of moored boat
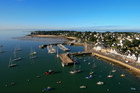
pixel 90 76
pixel 33 55
pixel 16 58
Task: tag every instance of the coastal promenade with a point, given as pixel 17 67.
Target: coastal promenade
pixel 119 62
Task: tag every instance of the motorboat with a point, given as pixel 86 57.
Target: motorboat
pixel 49 72
pixel 133 88
pixel 91 72
pixel 113 70
pixel 83 86
pixel 100 83
pixel 110 76
pixel 122 75
pixel 33 53
pixel 89 77
pixel 58 82
pixel 47 89
pixel 89 63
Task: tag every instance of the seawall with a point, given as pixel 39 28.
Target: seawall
pixel 131 68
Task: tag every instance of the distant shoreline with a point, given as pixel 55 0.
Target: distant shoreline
pixel 45 36
pixel 55 36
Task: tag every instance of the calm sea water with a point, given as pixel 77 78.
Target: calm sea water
pixel 25 73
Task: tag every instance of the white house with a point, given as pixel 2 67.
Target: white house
pixel 98 48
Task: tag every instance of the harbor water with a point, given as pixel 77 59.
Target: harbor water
pixel 28 75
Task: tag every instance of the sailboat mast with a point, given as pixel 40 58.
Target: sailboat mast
pixel 74 66
pixel 57 51
pixel 15 55
pixel 9 63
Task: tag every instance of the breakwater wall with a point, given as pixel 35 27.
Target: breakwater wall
pixel 131 68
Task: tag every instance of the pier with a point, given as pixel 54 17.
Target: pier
pixel 51 49
pixel 62 47
pixel 66 60
pixel 45 45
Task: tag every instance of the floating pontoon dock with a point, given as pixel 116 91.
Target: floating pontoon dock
pixel 62 47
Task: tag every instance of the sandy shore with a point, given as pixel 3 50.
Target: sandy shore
pixel 55 36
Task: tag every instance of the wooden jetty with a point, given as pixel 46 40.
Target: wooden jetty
pixel 66 60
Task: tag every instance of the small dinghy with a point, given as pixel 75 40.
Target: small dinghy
pixel 100 83
pixel 47 89
pixel 122 75
pixel 83 86
pixel 49 72
pixel 110 76
pixel 89 77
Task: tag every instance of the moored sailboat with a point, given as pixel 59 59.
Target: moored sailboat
pixel 33 52
pixel 18 49
pixel 16 58
pixel 113 70
pixel 11 64
pixel 74 71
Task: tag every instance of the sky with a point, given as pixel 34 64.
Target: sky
pixel 70 14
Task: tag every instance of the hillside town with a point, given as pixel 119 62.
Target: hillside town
pixel 123 44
